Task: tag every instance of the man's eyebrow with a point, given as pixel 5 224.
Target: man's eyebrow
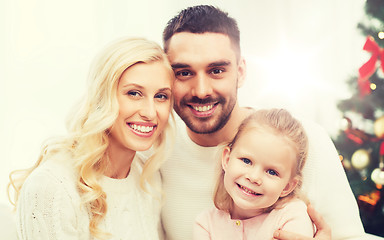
pixel 220 64
pixel 180 65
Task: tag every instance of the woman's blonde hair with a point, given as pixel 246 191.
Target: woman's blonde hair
pixel 281 123
pixel 89 125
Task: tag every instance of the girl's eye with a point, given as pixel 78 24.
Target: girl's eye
pixel 272 172
pixel 246 160
pixel 162 96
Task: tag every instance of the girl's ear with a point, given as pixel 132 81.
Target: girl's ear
pixel 291 185
pixel 225 158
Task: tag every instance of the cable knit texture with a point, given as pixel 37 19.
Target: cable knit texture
pixel 50 206
pixel 189 176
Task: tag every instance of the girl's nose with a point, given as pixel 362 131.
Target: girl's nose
pixel 255 176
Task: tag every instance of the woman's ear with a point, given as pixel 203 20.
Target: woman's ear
pixel 291 185
pixel 225 157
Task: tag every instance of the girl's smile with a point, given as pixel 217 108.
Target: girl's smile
pixel 258 171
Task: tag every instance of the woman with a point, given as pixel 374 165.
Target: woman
pixel 93 183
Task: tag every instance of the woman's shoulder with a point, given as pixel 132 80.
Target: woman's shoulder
pixel 55 174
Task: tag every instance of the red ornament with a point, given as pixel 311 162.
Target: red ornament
pixel 369 67
pixel 354 134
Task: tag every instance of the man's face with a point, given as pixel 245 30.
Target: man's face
pixel 207 74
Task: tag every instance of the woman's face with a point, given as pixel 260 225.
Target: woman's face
pixel 144 97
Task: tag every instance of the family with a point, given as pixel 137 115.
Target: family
pixel 132 168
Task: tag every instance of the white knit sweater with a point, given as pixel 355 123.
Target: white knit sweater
pixel 50 207
pixel 188 181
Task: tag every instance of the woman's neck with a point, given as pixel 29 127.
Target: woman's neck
pixel 119 161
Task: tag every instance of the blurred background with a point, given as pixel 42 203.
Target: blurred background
pixel 303 55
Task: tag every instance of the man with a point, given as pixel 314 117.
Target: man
pixel 203 46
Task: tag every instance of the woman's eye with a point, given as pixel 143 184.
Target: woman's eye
pixel 246 160
pixel 162 96
pixel 272 172
pixel 134 94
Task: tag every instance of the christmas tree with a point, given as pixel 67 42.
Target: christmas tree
pixel 360 142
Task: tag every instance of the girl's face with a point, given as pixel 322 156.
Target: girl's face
pixel 144 97
pixel 258 171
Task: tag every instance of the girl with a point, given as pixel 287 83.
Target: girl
pixel 92 184
pixel 258 183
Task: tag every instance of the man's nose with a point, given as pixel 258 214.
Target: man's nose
pixel 202 86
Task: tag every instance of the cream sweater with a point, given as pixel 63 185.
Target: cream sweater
pixel 50 207
pixel 188 181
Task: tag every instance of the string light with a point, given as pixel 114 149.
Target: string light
pixel 381 35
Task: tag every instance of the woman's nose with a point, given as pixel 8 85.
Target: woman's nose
pixel 148 110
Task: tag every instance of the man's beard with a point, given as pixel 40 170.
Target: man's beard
pixel 202 125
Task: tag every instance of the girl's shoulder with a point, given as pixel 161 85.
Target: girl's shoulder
pixel 293 204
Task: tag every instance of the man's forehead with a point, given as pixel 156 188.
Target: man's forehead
pixel 189 39
pixel 202 48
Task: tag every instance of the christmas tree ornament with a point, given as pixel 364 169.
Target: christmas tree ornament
pixel 347 164
pixel 370 198
pixel 360 159
pixel 377 176
pixel 345 123
pixel 378 127
pixel 369 67
pixel 353 134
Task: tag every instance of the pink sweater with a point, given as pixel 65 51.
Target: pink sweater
pixel 217 224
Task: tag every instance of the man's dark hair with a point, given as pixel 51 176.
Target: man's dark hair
pixel 201 19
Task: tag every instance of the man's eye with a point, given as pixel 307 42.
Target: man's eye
pixel 217 71
pixel 183 73
pixel 272 172
pixel 246 160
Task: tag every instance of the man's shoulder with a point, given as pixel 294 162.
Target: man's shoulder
pixel 315 132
